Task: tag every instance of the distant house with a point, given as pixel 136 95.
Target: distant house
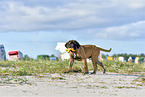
pixel 15 55
pixel 2 52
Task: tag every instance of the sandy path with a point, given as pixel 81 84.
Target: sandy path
pixel 76 84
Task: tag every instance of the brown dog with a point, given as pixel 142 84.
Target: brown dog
pixel 82 52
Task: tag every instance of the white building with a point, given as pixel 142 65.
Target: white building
pixel 15 55
pixel 61 47
pixel 2 52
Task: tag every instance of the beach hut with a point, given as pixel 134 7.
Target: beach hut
pixel 15 55
pixel 109 58
pixel 136 60
pixel 131 59
pixel 2 52
pixel 121 59
pixel 141 60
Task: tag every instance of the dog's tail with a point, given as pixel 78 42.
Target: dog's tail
pixel 105 49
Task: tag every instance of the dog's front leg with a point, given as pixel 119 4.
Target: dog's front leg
pixel 71 61
pixel 85 66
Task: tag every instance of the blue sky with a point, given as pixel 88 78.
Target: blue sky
pixel 35 26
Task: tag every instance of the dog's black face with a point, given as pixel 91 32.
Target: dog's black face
pixel 72 44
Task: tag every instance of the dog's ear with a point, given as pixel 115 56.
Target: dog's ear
pixel 66 45
pixel 77 44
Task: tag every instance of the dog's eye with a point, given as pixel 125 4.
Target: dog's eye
pixel 69 45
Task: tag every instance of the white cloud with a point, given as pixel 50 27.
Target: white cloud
pixel 137 4
pixel 111 19
pixel 127 32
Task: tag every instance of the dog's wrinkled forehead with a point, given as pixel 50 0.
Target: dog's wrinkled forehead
pixel 72 42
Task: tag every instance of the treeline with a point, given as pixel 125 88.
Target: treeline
pixel 49 57
pixel 125 55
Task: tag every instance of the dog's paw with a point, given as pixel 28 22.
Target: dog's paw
pixel 92 73
pixel 86 72
pixel 104 71
pixel 66 71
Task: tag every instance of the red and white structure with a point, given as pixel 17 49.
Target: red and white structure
pixel 15 55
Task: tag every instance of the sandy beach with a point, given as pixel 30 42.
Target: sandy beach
pixel 76 85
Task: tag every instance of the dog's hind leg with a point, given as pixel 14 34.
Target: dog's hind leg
pixel 101 64
pixel 95 65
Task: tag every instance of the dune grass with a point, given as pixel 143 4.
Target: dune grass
pixel 12 72
pixel 36 67
pixel 124 67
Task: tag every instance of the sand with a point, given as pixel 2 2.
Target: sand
pixel 76 85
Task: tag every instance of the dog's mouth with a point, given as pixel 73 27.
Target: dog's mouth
pixel 70 49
